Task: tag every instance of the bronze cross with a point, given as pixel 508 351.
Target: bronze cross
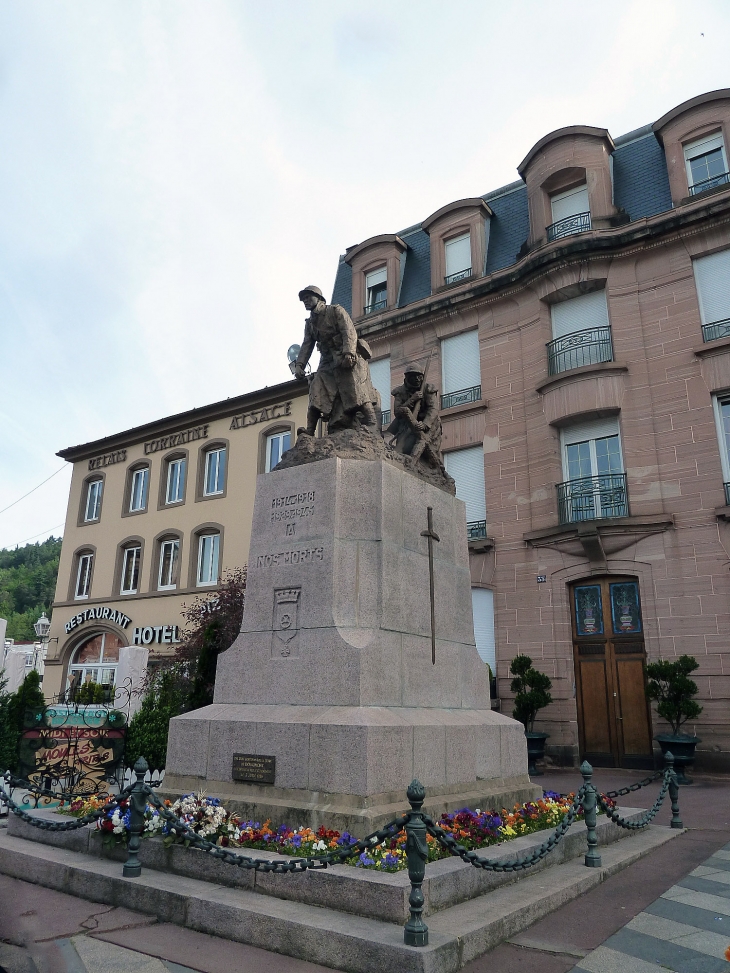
pixel 432 536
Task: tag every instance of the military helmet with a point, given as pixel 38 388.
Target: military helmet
pixel 311 289
pixel 413 367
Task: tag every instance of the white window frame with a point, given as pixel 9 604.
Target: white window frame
pixel 484 633
pixel 373 281
pixel 94 490
pixel 383 390
pixel 220 478
pixel 451 248
pixel 172 543
pixel 270 439
pixel 455 376
pixel 705 281
pixel 176 466
pixel 581 190
pixel 590 432
pixel 706 144
pixel 717 403
pixel 94 669
pixel 476 502
pixel 214 539
pixel 141 475
pixel 84 569
pixel 135 552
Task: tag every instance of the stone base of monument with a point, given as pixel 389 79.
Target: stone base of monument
pixel 334 696
pixel 344 917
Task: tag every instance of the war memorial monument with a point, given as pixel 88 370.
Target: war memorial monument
pixel 356 668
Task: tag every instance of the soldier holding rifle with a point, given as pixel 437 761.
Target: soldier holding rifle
pixel 416 428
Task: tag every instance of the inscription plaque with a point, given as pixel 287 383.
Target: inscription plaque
pixel 254 768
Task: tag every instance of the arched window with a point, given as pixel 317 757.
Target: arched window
pixel 92 506
pixel 137 491
pixel 95 660
pixel 208 558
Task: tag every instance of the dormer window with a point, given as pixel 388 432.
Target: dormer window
pixel 458 258
pixel 706 163
pixel 376 290
pixel 571 213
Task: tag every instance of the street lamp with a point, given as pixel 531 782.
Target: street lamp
pixel 42 627
pixel 292 354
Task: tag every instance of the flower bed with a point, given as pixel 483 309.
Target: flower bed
pixel 207 817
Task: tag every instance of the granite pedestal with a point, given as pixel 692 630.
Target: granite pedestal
pixel 332 672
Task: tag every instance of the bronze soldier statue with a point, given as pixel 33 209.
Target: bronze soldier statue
pixel 341 388
pixel 416 427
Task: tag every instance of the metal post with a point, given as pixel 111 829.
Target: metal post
pixel 415 932
pixel 137 806
pixel 673 789
pixel 592 858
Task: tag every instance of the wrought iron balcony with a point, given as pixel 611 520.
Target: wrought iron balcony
pixel 579 223
pixel 727 493
pixel 459 275
pixel 593 498
pixel 716 329
pixel 385 418
pixel 476 529
pixel 376 306
pixel 462 397
pixel 579 348
pixel 711 183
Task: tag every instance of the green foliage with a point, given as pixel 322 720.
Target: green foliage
pixel 8 732
pixel 91 692
pixel 27 585
pixel 531 688
pixel 16 712
pixel 203 684
pixel 147 731
pixel 670 685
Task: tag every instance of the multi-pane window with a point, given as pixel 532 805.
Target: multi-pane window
pixel 83 575
pixel 722 418
pixel 215 471
pixel 712 276
pixel 93 500
pixel 175 491
pixel 95 661
pixel 571 213
pixel 276 445
pixel 138 491
pixel 595 482
pixel 380 377
pixel 467 468
pixel 458 258
pixel 482 603
pixel 461 371
pixel 130 570
pixel 376 290
pixel 208 551
pixel 706 163
pixel 581 333
pixel 169 555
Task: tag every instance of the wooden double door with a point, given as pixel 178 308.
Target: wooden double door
pixel 614 718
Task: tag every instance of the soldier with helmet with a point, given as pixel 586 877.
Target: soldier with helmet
pixel 416 427
pixel 340 389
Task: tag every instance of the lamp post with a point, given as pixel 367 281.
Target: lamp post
pixel 292 354
pixel 42 627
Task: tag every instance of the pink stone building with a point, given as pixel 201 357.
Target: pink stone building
pixel 577 323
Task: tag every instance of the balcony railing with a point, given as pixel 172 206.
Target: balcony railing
pixel 727 493
pixel 579 348
pixel 385 418
pixel 459 275
pixel 716 329
pixel 705 184
pixel 376 306
pixel 476 529
pixel 462 397
pixel 593 498
pixel 579 223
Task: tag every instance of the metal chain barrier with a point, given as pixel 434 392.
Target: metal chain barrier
pixel 635 787
pixel 45 825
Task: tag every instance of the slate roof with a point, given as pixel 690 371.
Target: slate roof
pixel 641 188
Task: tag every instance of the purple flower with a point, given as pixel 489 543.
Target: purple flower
pixel 296 840
pixel 390 860
pixel 365 859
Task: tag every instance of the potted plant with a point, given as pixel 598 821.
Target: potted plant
pixel 532 692
pixel 669 684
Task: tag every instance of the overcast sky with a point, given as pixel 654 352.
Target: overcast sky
pixel 171 173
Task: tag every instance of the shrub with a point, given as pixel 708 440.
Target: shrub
pixel 531 688
pixel 669 684
pixel 148 729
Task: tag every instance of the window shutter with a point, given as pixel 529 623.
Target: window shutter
pixel 460 362
pixel 380 377
pixel 376 277
pixel 597 429
pixel 580 314
pixel 712 275
pixel 570 204
pixel 458 254
pixel 703 146
pixel 482 603
pixel 467 468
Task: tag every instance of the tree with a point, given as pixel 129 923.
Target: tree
pixel 20 708
pixel 27 585
pixel 8 732
pixel 148 728
pixel 670 685
pixel 532 690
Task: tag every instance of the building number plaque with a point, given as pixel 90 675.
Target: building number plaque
pixel 254 768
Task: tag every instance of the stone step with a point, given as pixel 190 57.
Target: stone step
pixel 340 940
pixel 363 892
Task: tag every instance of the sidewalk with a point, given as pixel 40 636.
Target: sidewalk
pixel 42 931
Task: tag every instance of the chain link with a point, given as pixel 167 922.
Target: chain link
pixel 513 864
pixel 635 787
pixel 74 825
pixel 646 818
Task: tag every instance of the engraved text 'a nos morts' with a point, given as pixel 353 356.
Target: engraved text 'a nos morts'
pixel 254 768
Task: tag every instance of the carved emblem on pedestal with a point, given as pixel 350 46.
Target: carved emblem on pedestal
pixel 286 622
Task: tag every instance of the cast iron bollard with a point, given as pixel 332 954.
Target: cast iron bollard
pixel 673 790
pixel 592 858
pixel 415 932
pixel 137 806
